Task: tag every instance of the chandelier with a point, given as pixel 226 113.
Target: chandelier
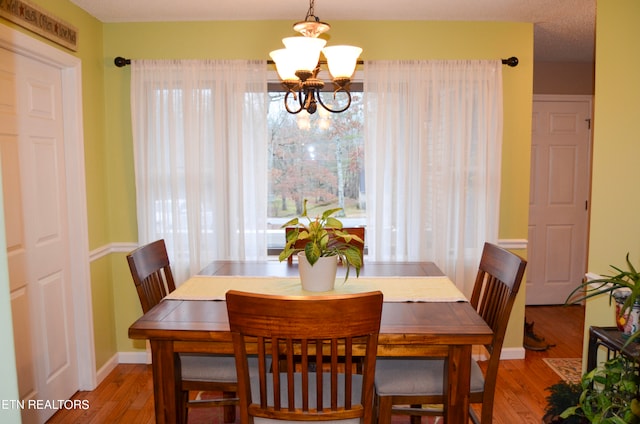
pixel 299 62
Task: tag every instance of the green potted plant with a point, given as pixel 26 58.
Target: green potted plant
pixel 609 394
pixel 324 241
pixel 624 288
pixel 562 396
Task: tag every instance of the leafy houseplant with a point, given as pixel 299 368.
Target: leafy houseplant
pixel 562 396
pixel 625 283
pixel 324 237
pixel 609 394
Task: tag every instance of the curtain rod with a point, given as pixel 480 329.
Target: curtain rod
pixel 121 62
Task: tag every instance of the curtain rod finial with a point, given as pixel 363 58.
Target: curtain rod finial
pixel 512 61
pixel 121 61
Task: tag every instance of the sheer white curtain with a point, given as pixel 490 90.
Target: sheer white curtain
pixel 199 133
pixel 433 136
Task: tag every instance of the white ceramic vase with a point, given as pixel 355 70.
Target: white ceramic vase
pixel 320 277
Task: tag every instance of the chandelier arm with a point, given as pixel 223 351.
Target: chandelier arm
pixel 286 103
pixel 310 103
pixel 338 110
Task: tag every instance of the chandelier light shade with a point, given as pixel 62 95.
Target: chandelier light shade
pixel 305 51
pixel 285 64
pixel 341 60
pixel 298 65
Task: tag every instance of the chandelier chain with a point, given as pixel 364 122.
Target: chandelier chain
pixel 311 12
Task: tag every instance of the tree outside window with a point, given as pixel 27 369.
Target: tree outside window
pixel 318 157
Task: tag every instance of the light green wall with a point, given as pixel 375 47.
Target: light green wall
pixel 380 40
pixel 103 309
pixel 90 47
pixel 615 198
pixel 615 227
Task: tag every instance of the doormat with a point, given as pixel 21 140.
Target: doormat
pixel 569 369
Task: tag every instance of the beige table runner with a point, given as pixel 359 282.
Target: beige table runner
pixel 394 289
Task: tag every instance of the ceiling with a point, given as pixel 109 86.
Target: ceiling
pixel 564 30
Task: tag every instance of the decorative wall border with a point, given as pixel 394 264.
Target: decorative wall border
pixel 37 20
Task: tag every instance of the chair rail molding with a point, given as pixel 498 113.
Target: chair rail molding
pixel 513 244
pixel 107 249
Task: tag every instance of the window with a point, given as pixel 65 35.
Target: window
pixel 227 159
pixel 318 157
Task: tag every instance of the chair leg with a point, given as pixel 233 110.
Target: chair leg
pixel 416 419
pixel 376 407
pixel 384 409
pixel 486 414
pixel 229 411
pixel 486 411
pixel 184 410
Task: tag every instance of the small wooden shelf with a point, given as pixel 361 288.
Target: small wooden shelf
pixel 612 339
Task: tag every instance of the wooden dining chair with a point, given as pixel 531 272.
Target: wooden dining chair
pixel 356 231
pixel 292 327
pixel 419 382
pixel 153 279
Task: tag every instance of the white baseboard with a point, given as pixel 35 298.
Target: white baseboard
pixel 134 358
pixel 512 353
pixel 479 353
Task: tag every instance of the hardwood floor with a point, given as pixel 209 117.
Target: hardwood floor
pixel 126 395
pixel 521 395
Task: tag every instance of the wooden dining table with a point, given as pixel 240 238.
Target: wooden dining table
pixel 446 329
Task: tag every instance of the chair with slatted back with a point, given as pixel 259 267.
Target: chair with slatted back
pixel 292 327
pixel 356 231
pixel 418 382
pixel 153 279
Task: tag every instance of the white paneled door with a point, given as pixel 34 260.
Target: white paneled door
pixel 559 194
pixel 35 198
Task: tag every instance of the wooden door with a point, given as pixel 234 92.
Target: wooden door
pixel 558 209
pixel 35 199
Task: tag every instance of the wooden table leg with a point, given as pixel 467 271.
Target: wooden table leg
pixel 457 384
pixel 165 377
